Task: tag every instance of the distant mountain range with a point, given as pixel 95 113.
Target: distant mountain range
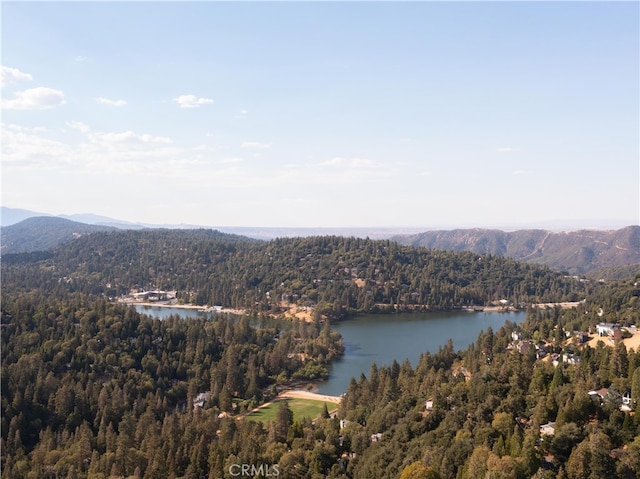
pixel 576 252
pixel 11 216
pixel 40 233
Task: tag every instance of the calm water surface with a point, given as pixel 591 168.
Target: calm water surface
pixel 382 338
pixel 163 312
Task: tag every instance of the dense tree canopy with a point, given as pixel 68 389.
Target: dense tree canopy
pixel 340 274
pixel 92 389
pixel 106 380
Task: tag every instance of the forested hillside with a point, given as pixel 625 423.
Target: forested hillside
pixel 92 389
pixel 339 274
pixel 513 413
pixel 576 252
pixel 95 390
pixel 43 232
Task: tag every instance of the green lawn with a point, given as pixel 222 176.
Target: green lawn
pixel 300 407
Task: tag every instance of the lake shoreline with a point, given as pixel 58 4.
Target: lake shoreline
pixel 304 313
pixel 169 304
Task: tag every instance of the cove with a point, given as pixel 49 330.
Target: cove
pixel 382 338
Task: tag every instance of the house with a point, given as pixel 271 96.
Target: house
pixel 548 429
pixel 201 399
pixel 428 405
pixel 154 295
pixel 627 403
pixel 377 437
pixel 343 423
pixel 605 329
pixel 541 353
pixel 525 346
pixel 569 358
pixel 599 394
pixel 581 337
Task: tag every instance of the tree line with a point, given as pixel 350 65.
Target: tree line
pixel 92 389
pixel 90 386
pixel 340 275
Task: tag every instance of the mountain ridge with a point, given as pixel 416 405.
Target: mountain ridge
pixel 39 233
pixel 577 252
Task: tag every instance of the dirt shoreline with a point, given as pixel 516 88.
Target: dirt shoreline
pixel 300 394
pixel 206 309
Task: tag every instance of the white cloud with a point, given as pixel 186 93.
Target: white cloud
pixel 40 98
pixel 128 138
pixel 80 58
pixel 192 101
pixel 255 144
pixel 337 171
pixel 106 101
pixel 350 163
pixel 25 148
pixel 24 129
pixel 78 125
pixel 98 153
pixel 13 75
pixel 506 149
pixel 133 154
pixel 125 139
pixel 521 172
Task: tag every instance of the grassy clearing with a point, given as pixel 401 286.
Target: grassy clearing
pixel 300 407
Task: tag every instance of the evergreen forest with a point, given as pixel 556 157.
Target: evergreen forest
pixel 340 275
pixel 93 389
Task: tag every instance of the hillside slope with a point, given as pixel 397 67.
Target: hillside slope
pixel 577 252
pixel 343 274
pixel 43 232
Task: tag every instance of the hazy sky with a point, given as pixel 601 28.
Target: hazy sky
pixel 323 114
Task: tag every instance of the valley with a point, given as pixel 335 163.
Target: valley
pixel 95 387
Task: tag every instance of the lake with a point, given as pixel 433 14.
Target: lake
pixel 163 312
pixel 381 338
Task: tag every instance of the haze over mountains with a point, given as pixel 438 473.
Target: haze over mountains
pixel 11 216
pixel 577 252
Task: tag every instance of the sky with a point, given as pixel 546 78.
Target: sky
pixel 324 114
